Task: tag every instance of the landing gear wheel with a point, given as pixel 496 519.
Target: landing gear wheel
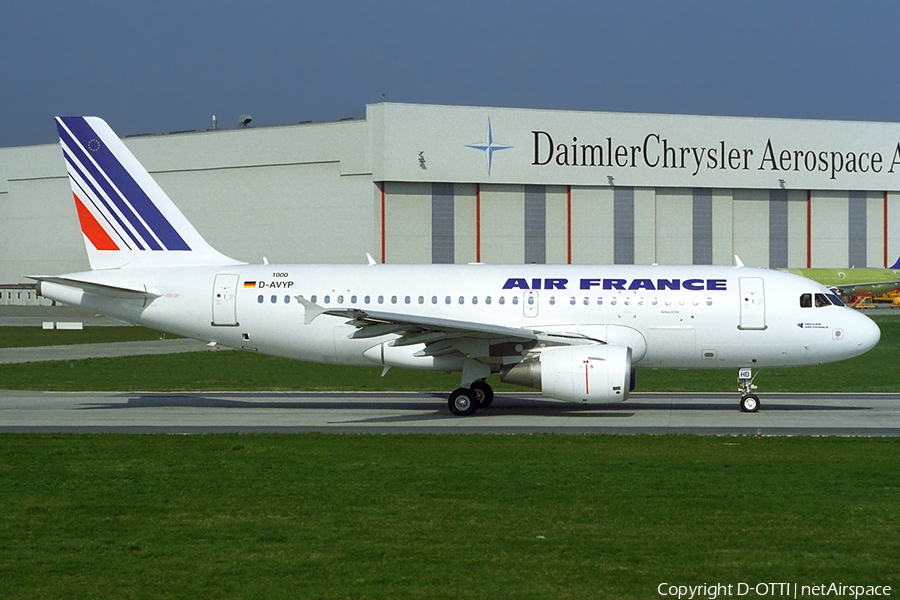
pixel 484 394
pixel 463 402
pixel 750 403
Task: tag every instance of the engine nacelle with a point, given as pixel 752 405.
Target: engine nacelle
pixel 599 373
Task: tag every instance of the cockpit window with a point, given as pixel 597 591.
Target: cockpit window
pixel 835 299
pixel 806 300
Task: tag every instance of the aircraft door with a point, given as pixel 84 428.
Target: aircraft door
pixel 753 305
pixel 530 303
pixel 225 300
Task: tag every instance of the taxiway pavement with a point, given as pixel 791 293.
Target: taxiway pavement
pixel 399 412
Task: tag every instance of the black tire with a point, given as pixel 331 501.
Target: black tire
pixel 484 394
pixel 462 402
pixel 750 403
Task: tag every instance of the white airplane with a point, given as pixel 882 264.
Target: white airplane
pixel 576 332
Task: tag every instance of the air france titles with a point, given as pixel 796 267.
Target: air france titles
pixel 657 152
pixel 612 283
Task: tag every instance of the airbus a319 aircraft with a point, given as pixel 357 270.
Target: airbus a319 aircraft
pixel 577 333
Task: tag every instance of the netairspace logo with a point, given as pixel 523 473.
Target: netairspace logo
pixel 778 590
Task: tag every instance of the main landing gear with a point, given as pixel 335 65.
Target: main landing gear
pixel 465 401
pixel 749 400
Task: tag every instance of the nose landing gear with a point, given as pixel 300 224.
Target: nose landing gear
pixel 749 400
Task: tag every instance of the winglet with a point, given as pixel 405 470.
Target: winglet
pixel 737 261
pixel 312 310
pixel 370 259
pixel 896 265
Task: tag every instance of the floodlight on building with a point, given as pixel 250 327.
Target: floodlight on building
pixel 244 120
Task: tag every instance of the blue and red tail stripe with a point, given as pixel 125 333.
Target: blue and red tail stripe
pixel 101 206
pixel 90 158
pixel 91 228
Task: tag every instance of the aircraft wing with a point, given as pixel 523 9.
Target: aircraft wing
pixel 851 288
pixel 442 336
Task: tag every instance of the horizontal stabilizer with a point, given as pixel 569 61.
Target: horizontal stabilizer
pixel 99 289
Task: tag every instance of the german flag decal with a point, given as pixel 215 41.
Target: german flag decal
pixel 249 284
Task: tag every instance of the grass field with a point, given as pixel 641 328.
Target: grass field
pixel 322 516
pixel 875 371
pixel 26 337
pixel 409 516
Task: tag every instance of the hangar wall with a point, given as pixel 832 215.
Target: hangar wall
pixel 625 225
pixel 299 193
pixel 449 184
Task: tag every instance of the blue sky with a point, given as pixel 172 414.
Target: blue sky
pixel 161 66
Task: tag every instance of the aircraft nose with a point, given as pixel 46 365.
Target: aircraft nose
pixel 865 333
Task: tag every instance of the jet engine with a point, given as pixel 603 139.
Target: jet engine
pixel 596 373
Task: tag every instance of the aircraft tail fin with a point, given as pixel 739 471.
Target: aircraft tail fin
pixel 896 265
pixel 126 218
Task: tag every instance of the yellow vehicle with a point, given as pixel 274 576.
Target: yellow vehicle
pixel 862 300
pixel 892 297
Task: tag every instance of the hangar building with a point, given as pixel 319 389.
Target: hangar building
pixel 453 184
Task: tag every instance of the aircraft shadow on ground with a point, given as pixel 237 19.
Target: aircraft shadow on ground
pixel 505 405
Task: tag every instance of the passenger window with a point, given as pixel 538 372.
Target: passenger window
pixel 406 300
pixel 515 299
pixel 287 299
pixel 434 299
pixel 805 300
pixel 502 300
pixel 367 299
pixel 462 300
pixel 821 301
pixel 474 299
pixel 274 299
pixel 421 299
pixel 259 299
pixel 587 300
pixel 352 299
pixel 393 299
pixel 447 300
pixel 552 300
pixel 326 299
pixel 572 300
pixel 487 300
pixel 312 298
pixel 380 299
pixel 340 299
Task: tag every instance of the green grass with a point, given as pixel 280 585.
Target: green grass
pixel 322 516
pixel 25 337
pixel 875 371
